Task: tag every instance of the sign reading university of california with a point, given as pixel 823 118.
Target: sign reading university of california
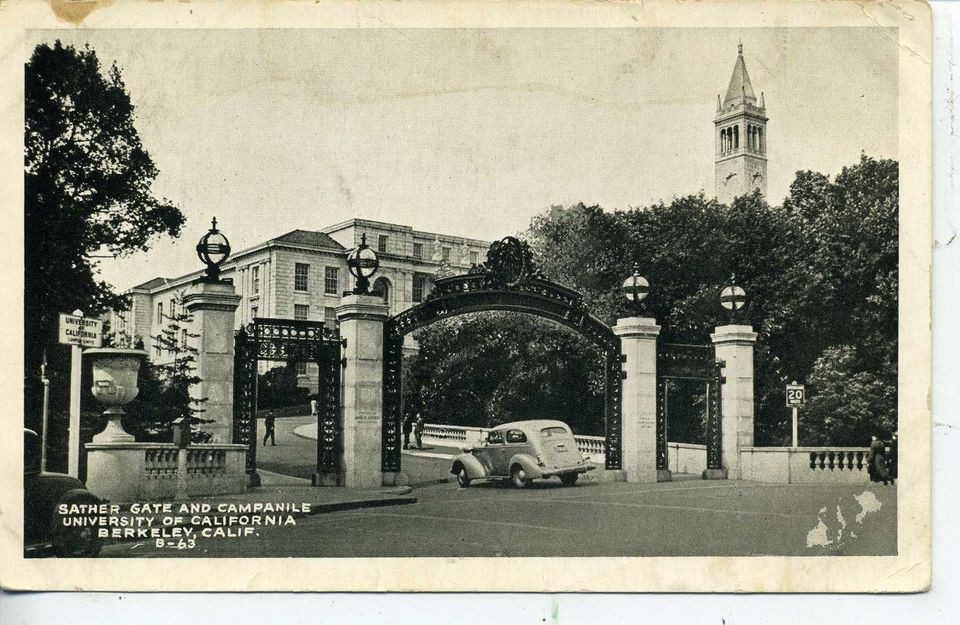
pixel 80 331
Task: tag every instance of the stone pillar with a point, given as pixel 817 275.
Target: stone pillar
pixel 638 341
pixel 734 346
pixel 213 306
pixel 361 320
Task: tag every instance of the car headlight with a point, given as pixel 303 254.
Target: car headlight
pixel 540 461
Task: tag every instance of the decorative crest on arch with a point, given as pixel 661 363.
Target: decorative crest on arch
pixel 509 280
pixel 509 262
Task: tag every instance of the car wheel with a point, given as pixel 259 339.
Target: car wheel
pixel 462 478
pixel 75 542
pixel 569 479
pixel 519 477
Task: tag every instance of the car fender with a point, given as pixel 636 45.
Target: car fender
pixel 474 469
pixel 529 464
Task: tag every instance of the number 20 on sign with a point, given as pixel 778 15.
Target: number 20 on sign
pixel 796 395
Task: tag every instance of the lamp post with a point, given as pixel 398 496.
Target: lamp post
pixel 213 249
pixel 635 289
pixel 733 299
pixel 362 263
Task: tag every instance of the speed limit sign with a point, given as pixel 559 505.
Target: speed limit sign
pixel 796 395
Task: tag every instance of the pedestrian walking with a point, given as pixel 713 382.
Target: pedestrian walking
pixel 269 423
pixel 407 429
pixel 313 407
pixel 418 430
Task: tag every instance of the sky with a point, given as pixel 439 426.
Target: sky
pixel 471 132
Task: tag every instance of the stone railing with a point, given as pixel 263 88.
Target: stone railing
pixel 804 465
pixel 686 458
pixel 153 471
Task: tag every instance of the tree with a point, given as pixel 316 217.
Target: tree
pixel 820 273
pixel 87 192
pixel 483 369
pixel 166 382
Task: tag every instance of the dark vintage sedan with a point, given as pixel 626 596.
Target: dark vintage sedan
pixel 523 451
pixel 45 496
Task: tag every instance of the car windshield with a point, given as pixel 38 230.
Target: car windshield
pixel 553 432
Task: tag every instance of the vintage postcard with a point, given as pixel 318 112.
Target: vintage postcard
pixel 436 296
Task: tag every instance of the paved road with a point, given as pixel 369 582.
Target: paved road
pixel 694 518
pixel 297 456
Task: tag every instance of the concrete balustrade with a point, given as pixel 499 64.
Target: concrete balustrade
pixel 127 472
pixel 805 465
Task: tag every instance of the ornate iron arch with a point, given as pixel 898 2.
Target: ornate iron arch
pixel 508 281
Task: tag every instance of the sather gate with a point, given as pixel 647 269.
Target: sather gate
pixel 698 363
pixel 289 341
pixel 508 281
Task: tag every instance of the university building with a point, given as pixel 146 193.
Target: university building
pixel 302 275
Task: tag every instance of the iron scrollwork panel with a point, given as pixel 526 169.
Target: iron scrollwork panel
pixel 329 438
pixel 714 421
pixel 244 407
pixel 663 388
pixel 613 419
pixel 390 432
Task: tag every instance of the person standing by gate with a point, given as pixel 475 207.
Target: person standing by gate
pixel 877 462
pixel 418 430
pixel 269 424
pixel 407 429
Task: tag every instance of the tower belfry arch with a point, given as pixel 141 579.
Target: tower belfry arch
pixel 740 129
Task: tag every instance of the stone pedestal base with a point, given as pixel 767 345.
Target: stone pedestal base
pixel 325 478
pixel 714 474
pixel 664 475
pixel 114 432
pixel 114 470
pixel 391 478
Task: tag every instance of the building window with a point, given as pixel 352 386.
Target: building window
pixel 419 287
pixel 183 338
pixel 302 367
pixel 446 254
pixel 331 276
pixel 159 312
pixel 255 273
pixel 301 312
pixel 301 276
pixel 418 250
pixel 474 258
pixel 330 316
pixel 253 312
pixel 382 243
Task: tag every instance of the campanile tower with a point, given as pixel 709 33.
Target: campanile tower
pixel 740 137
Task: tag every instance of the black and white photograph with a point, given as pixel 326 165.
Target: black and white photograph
pixel 567 292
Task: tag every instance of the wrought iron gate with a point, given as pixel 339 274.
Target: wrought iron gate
pixel 290 341
pixel 690 362
pixel 509 280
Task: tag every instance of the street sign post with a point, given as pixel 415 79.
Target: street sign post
pixel 77 332
pixel 796 397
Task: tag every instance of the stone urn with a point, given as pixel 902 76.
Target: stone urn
pixel 115 385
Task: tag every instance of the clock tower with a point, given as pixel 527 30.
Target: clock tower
pixel 740 137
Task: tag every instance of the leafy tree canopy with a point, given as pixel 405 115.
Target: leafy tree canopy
pixel 87 189
pixel 821 276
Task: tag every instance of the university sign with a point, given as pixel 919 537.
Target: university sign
pixel 75 330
